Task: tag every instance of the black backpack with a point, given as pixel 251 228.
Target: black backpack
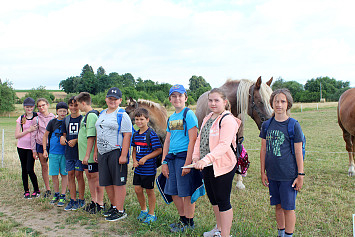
pixel 86 115
pixel 147 138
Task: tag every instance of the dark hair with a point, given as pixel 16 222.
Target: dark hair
pixel 223 96
pixel 141 112
pixel 83 97
pixel 288 95
pixel 72 100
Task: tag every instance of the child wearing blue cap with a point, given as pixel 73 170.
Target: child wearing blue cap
pixel 178 147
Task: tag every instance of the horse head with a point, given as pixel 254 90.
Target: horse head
pixel 259 108
pixel 131 106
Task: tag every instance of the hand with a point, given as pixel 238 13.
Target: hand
pixel 298 183
pixel 195 160
pixel 264 180
pixel 33 128
pixel 95 157
pixel 35 155
pixel 122 160
pixel 142 161
pixel 45 154
pixel 72 142
pixel 200 165
pixel 185 171
pixel 165 170
pixel 63 140
pixel 85 161
pixel 135 164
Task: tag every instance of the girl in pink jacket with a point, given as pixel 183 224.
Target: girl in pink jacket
pixel 214 156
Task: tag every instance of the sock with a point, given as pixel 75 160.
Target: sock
pixel 281 232
pixel 114 207
pixel 121 211
pixel 190 221
pixel 146 210
pixel 288 234
pixel 183 219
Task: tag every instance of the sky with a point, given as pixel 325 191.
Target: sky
pixel 45 41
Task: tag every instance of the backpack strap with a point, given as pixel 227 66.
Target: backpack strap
pixel 291 133
pixel 147 137
pixel 267 124
pixel 21 122
pixel 184 119
pixel 66 122
pixel 91 111
pixel 119 120
pixel 220 121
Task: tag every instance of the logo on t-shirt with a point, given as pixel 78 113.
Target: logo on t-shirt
pixel 176 125
pixel 73 128
pixel 274 139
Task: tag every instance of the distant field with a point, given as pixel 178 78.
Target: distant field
pixel 57 93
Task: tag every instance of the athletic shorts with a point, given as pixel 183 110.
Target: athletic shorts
pixel 282 192
pixel 110 171
pixel 74 165
pixel 177 184
pixel 91 167
pixel 145 181
pixel 39 148
pixel 57 164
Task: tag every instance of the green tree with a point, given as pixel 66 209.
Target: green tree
pixel 7 97
pixel 40 92
pixel 198 86
pixel 88 80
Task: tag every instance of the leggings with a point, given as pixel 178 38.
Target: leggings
pixel 218 188
pixel 27 166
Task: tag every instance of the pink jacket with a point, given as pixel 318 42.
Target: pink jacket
pixel 221 154
pixel 37 136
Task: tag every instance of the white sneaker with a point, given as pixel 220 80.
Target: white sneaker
pixel 212 232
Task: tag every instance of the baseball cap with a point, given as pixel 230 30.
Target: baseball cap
pixel 29 102
pixel 177 88
pixel 61 105
pixel 114 92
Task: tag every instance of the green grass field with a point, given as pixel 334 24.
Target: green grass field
pixel 324 206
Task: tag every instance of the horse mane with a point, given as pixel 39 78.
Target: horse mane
pixel 151 104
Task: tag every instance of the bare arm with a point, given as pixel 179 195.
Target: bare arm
pixel 19 134
pixel 264 179
pixel 165 168
pixel 155 153
pixel 44 140
pixel 298 183
pixel 90 145
pixel 125 147
pixel 190 149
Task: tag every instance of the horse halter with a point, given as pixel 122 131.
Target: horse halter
pixel 254 107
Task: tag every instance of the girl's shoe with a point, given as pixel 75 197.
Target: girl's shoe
pixel 36 194
pixel 27 195
pixel 142 215
pixel 211 233
pixel 150 219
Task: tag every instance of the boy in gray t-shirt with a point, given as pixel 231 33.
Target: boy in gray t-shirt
pixel 114 131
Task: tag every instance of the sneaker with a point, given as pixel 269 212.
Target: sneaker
pixel 70 205
pixel 36 194
pixel 81 202
pixel 181 227
pixel 89 206
pixel 61 200
pixel 47 194
pixel 142 215
pixel 75 205
pixel 116 215
pixel 150 219
pixel 55 198
pixel 211 233
pixel 98 208
pixel 27 195
pixel 108 212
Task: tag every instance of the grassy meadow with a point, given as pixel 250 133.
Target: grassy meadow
pixel 324 206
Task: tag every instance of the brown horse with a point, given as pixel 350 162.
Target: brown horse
pixel 245 97
pixel 346 120
pixel 157 115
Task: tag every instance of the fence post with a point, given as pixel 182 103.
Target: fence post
pixel 3 148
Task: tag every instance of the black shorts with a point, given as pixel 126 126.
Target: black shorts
pixel 145 181
pixel 91 167
pixel 110 171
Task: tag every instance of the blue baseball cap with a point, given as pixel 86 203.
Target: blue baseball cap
pixel 177 88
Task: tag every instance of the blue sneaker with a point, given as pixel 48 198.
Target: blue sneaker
pixel 150 219
pixel 181 227
pixel 142 215
pixel 54 199
pixel 75 205
pixel 81 203
pixel 70 205
pixel 61 200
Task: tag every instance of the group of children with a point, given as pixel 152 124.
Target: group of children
pixel 99 144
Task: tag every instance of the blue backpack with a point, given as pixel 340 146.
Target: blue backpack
pixel 291 134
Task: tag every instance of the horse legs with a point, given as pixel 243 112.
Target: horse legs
pixel 240 184
pixel 351 171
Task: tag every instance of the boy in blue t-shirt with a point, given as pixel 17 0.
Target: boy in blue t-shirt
pixel 56 153
pixel 178 147
pixel 144 161
pixel 73 165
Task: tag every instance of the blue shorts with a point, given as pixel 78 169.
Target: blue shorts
pixel 56 164
pixel 282 192
pixel 39 148
pixel 177 184
pixel 74 165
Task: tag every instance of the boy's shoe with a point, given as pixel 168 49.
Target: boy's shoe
pixel 47 194
pixel 150 219
pixel 36 194
pixel 142 215
pixel 27 195
pixel 75 205
pixel 181 227
pixel 211 233
pixel 108 212
pixel 89 206
pixel 54 199
pixel 80 202
pixel 97 209
pixel 116 215
pixel 61 200
pixel 70 205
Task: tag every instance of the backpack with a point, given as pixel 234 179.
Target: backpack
pixel 22 116
pixel 291 134
pixel 240 153
pixel 147 138
pixel 91 111
pixel 183 120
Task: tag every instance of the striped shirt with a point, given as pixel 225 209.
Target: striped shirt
pixel 142 149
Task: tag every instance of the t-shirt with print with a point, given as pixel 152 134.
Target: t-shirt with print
pixel 178 141
pixel 143 149
pixel 84 133
pixel 107 137
pixel 72 131
pixel 54 127
pixel 280 163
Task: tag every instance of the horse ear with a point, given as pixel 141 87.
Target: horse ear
pixel 130 99
pixel 270 81
pixel 258 83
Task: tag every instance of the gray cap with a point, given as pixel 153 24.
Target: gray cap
pixel 29 102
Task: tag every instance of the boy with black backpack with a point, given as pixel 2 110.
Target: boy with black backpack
pixel 146 148
pixel 73 165
pixel 56 153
